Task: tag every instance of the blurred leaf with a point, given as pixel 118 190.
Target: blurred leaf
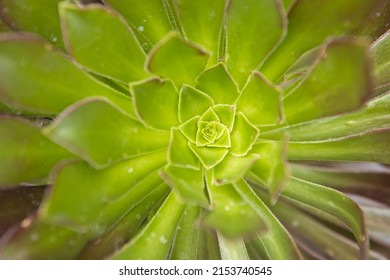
pixel 254 27
pixel 378 224
pixel 186 60
pixel 40 241
pixel 340 73
pixel 188 235
pixel 26 156
pixel 32 16
pixel 16 204
pixel 381 56
pixel 243 136
pixel 232 168
pixel 378 22
pixel 309 24
pixel 372 184
pixel 231 215
pixel 232 249
pixel 89 127
pixel 93 189
pixel 276 240
pixel 88 38
pixel 367 146
pixel 272 169
pixel 187 183
pixel 192 102
pixel 218 84
pixel 325 202
pixel 147 18
pixel 125 228
pixel 288 4
pixel 202 22
pixel 260 101
pixel 156 103
pixel 36 78
pixel 154 241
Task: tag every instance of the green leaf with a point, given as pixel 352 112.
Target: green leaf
pixel 101 134
pixel 232 249
pixel 179 153
pixel 340 73
pixel 30 242
pixel 328 203
pixel 226 114
pixel 212 134
pixel 192 102
pixel 272 169
pixel 231 214
pixel 276 240
pixel 261 101
pixel 92 190
pixel 187 183
pixel 380 51
pixel 254 27
pixel 368 146
pixel 209 156
pixel 209 116
pixel 156 103
pixel 288 4
pixel 374 115
pixel 148 19
pixel 125 228
pixel 154 241
pixel 189 129
pixel 232 169
pixel 29 15
pixel 37 78
pixel 243 136
pixel 186 60
pixel 218 84
pixel 26 156
pixel 88 38
pixel 202 23
pixel 306 29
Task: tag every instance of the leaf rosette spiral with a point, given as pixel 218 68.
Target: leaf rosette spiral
pixel 188 129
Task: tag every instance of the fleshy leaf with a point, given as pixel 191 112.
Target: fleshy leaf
pixel 189 129
pixel 36 78
pixel 88 38
pixel 218 84
pixel 186 60
pixel 341 73
pixel 209 156
pixel 260 101
pixel 212 134
pixel 192 102
pixel 226 114
pixel 202 22
pixel 325 202
pixel 243 136
pixel 26 156
pixel 188 236
pixel 156 103
pixel 254 27
pixel 381 56
pixel 154 241
pixel 148 19
pixel 272 169
pixel 374 115
pixel 276 240
pixel 232 168
pixel 209 116
pixel 29 15
pixel 102 134
pixel 232 249
pixel 188 183
pixel 92 189
pixel 231 215
pixel 306 29
pixel 179 153
pixel 350 148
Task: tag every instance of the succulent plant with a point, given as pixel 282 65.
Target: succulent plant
pixel 179 129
